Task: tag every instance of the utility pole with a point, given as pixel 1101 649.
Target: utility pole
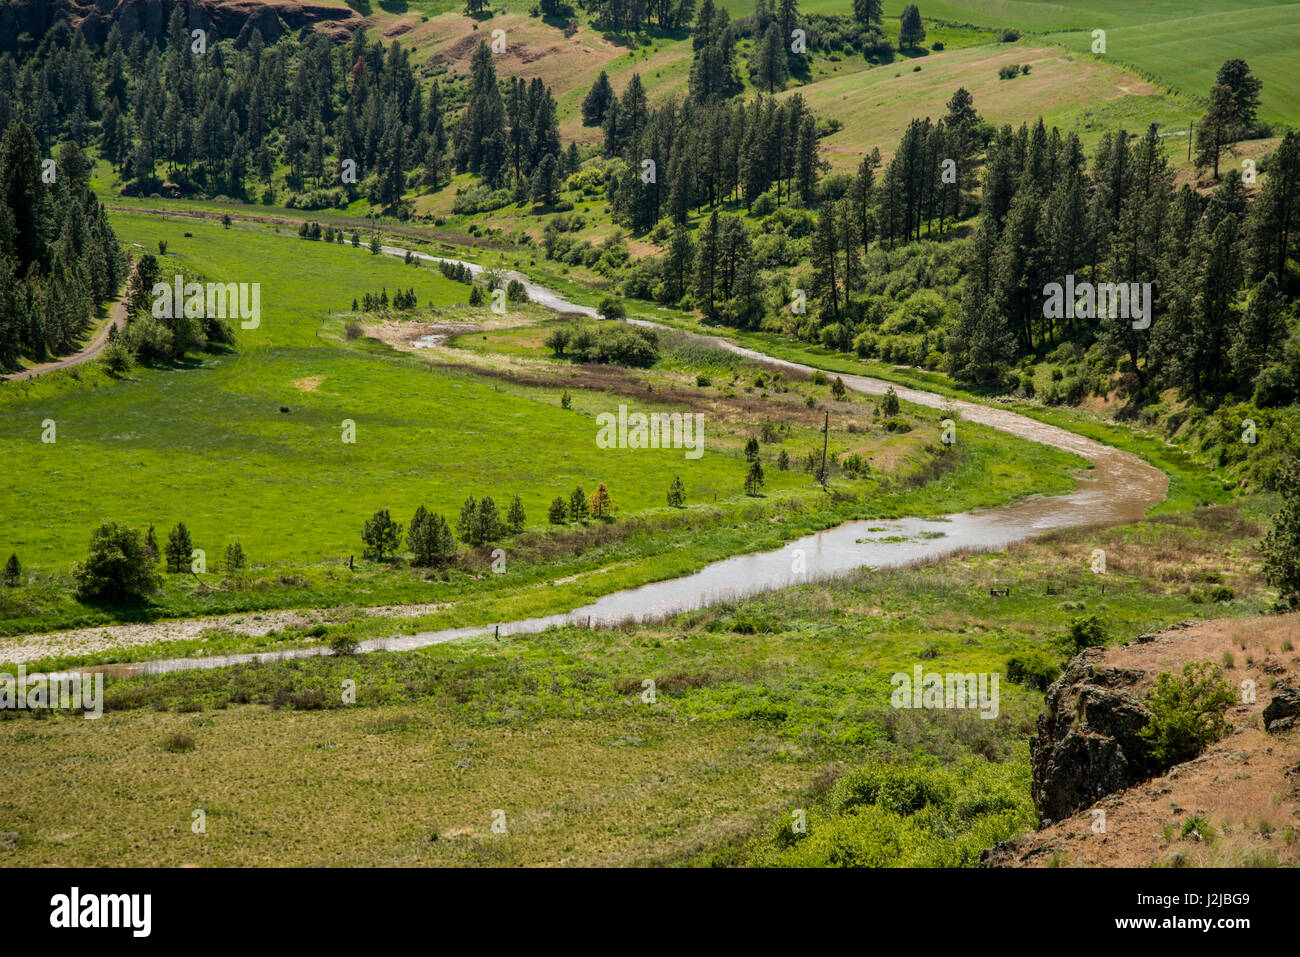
pixel 826 432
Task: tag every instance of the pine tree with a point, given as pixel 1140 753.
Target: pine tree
pixel 545 181
pixel 911 32
pixel 235 560
pixel 770 69
pixel 868 12
pixel 381 536
pixel 558 513
pixel 26 197
pixel 676 270
pixel 677 493
pixel 807 162
pixel 578 507
pixel 1275 217
pixel 12 572
pixel 1245 87
pixel 706 268
pixel 179 548
pixel 481 133
pixel 754 478
pixel 1260 333
pixel 1216 127
pixel 602 503
pixel 822 253
pixel 596 103
pixel 419 537
pixel 466 522
pixel 488 526
pixel 515 519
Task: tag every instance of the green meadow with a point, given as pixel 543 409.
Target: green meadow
pixel 247 446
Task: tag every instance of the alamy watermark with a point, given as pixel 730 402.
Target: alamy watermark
pixel 214 300
pixel 1103 300
pixel 658 430
pixel 129 911
pixel 59 692
pixel 937 690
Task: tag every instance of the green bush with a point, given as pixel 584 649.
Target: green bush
pixel 905 816
pixel 117 569
pixel 1087 632
pixel 1033 669
pixel 1187 713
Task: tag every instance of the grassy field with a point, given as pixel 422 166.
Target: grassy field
pixel 213 440
pixel 1175 42
pixel 760 707
pixel 248 448
pixel 1075 93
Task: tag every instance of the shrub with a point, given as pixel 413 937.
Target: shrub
pixel 614 345
pixel 117 568
pixel 1187 713
pixel 1032 669
pixel 612 308
pixel 889 404
pixel 900 789
pixel 556 340
pixel 235 560
pixel 117 357
pixel 344 643
pixel 1087 632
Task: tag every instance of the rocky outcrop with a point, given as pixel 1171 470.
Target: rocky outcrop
pixel 1280 714
pixel 1087 745
pixel 228 19
pixel 1104 806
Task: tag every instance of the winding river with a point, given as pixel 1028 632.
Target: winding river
pixel 1119 488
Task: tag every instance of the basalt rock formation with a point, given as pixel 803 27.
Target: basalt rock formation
pixel 1087 745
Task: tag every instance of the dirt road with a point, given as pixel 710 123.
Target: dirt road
pixel 96 346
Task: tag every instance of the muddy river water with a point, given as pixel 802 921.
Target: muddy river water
pixel 1119 488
